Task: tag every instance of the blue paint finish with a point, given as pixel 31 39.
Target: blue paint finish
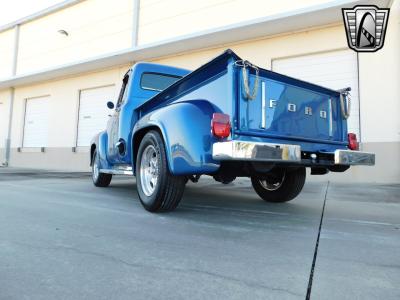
pixel 100 140
pixel 185 127
pixel 183 113
pixel 142 95
pixel 125 116
pixel 284 124
pixel 191 82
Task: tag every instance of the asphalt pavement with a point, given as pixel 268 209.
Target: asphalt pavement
pixel 63 238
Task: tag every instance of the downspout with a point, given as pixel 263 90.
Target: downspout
pixel 135 25
pixel 12 95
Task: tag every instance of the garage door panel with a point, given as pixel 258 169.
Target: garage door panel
pixel 307 68
pixel 335 70
pixel 36 122
pixel 320 58
pixel 93 112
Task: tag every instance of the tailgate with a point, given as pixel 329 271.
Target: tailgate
pixel 287 108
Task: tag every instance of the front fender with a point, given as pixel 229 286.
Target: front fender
pixel 100 141
pixel 186 130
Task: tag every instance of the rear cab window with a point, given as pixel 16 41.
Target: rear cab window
pixel 157 81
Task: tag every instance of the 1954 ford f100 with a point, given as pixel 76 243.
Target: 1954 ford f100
pixel 226 119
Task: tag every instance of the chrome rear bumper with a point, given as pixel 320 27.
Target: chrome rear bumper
pixel 351 158
pixel 239 150
pixel 254 151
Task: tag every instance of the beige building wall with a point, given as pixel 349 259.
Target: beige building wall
pixel 162 20
pixel 62 136
pixel 6 53
pixel 379 76
pixel 94 28
pixel 380 86
pixel 379 73
pixel 261 52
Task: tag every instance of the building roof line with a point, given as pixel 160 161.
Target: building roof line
pixel 40 14
pixel 294 21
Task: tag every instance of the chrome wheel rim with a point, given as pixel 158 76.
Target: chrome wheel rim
pixel 272 185
pixel 95 172
pixel 149 170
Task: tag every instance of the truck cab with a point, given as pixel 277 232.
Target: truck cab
pixel 226 119
pixel 140 83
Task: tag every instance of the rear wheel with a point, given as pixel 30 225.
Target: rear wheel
pixel 281 187
pixel 158 189
pixel 99 179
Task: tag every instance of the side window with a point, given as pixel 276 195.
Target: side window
pixel 124 91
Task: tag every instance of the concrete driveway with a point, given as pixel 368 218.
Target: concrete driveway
pixel 62 238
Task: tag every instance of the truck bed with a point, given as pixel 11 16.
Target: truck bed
pixel 285 110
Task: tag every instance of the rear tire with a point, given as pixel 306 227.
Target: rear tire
pixel 157 188
pixel 99 179
pixel 282 189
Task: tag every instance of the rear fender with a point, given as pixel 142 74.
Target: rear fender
pixel 185 128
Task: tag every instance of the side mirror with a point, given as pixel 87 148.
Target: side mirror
pixel 110 105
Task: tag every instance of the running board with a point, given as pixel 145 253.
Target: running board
pixel 119 170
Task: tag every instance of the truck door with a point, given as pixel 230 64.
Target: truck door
pixel 115 150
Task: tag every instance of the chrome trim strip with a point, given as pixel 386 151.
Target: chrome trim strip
pixel 263 112
pixel 120 170
pixel 253 151
pixel 350 157
pixel 330 118
pixel 116 172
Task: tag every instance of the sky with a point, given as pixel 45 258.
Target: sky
pixel 11 10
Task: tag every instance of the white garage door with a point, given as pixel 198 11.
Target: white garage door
pixel 335 70
pixel 36 122
pixel 93 112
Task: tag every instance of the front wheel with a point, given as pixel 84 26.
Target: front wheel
pixel 281 187
pixel 158 189
pixel 99 179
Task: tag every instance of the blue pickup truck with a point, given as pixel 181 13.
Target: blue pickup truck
pixel 226 119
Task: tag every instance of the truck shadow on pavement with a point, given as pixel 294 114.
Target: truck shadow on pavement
pixel 207 200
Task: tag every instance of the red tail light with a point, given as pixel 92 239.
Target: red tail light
pixel 220 125
pixel 353 144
